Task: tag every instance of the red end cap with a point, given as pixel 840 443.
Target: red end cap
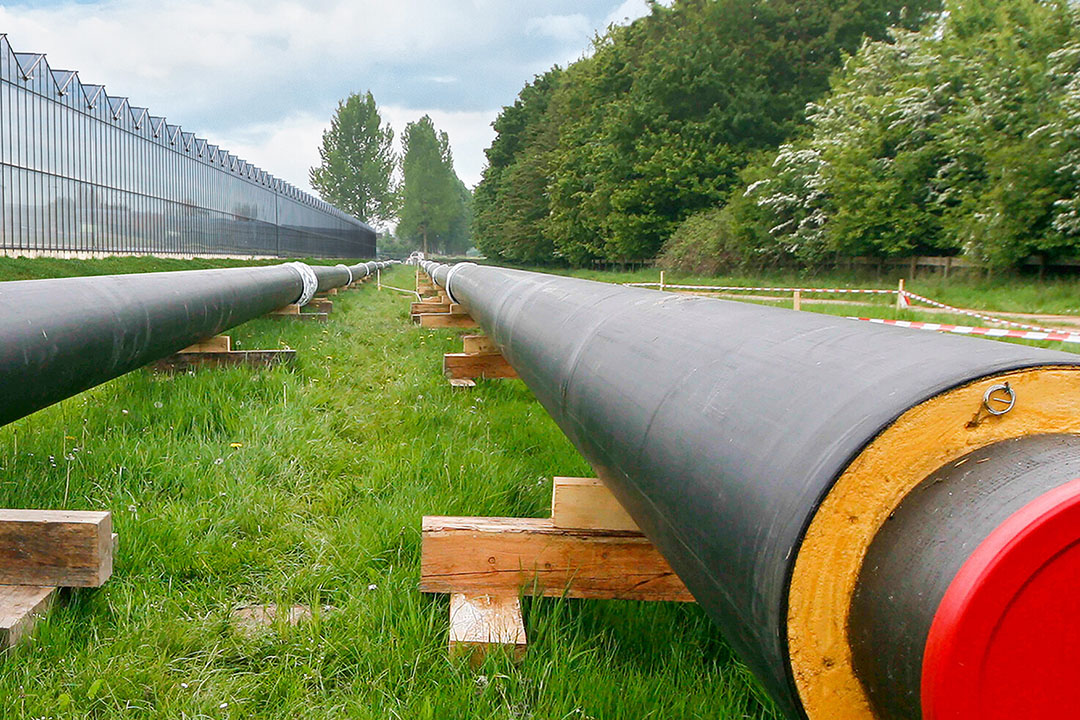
pixel 1005 641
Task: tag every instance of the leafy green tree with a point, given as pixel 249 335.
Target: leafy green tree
pixel 609 156
pixel 433 198
pixel 357 161
pixel 942 140
pixel 511 199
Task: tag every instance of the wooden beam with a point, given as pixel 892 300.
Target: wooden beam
pixel 474 344
pixel 423 307
pixel 292 309
pixel 67 548
pixel 234 358
pixel 20 607
pixel 462 383
pixel 320 305
pixel 480 623
pixel 479 365
pixel 502 556
pixel 446 320
pixel 218 343
pixel 587 503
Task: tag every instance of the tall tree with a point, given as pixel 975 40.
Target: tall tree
pixel 432 201
pixel 608 156
pixel 955 138
pixel 357 161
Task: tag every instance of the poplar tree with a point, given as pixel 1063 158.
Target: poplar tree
pixel 432 202
pixel 357 161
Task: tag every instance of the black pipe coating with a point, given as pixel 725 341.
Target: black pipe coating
pixel 720 426
pixel 917 554
pixel 331 276
pixel 59 337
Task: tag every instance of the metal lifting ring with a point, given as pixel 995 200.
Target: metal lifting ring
pixel 994 394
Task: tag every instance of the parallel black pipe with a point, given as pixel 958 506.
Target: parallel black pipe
pixel 60 337
pixel 750 443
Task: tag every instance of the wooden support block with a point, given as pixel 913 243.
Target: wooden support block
pixel 319 305
pixel 502 556
pixel 462 383
pixel 234 358
pixel 475 344
pixel 67 548
pixel 425 306
pixel 479 365
pixel 292 309
pixel 327 293
pixel 218 343
pixel 446 320
pixel 20 607
pixel 481 623
pixel 587 503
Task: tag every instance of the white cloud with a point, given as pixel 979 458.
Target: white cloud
pixel 626 13
pixel 289 146
pixel 563 28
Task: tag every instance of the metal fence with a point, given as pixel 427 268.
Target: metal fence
pixel 86 173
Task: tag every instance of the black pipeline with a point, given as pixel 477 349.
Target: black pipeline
pixel 60 337
pixel 764 452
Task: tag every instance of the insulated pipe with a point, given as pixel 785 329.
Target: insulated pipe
pixel 331 277
pixel 60 337
pixel 763 451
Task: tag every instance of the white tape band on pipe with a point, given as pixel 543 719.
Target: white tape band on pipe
pixel 310 280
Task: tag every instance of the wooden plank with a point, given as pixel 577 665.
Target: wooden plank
pixel 474 344
pixel 446 320
pixel 462 383
pixel 420 308
pixel 292 309
pixel 319 305
pixel 20 607
pixel 482 623
pixel 587 503
pixel 218 343
pixel 235 358
pixel 480 365
pixel 502 556
pixel 67 548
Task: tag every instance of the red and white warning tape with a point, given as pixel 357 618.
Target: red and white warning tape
pixel 980 316
pixel 1030 332
pixel 1058 336
pixel 742 288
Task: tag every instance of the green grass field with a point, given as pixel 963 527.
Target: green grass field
pixel 307 485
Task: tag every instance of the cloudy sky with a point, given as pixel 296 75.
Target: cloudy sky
pixel 262 77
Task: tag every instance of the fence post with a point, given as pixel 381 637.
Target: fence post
pixel 661 281
pixel 901 300
pixel 796 300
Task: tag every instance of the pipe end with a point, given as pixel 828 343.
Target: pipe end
pixel 1003 641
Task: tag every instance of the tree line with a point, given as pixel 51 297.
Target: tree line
pixel 750 133
pixel 361 172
